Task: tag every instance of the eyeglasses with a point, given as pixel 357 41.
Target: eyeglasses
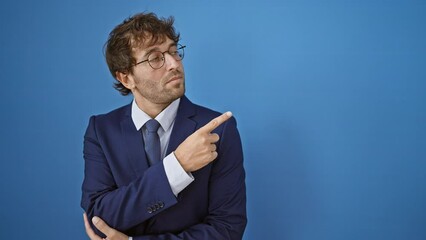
pixel 156 59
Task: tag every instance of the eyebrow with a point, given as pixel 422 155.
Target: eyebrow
pixel 157 49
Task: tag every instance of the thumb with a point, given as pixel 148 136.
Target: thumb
pixel 102 226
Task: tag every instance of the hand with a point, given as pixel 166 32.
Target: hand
pixel 111 233
pixel 199 149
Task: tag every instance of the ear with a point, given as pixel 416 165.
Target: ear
pixel 125 79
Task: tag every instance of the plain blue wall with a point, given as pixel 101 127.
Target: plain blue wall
pixel 330 97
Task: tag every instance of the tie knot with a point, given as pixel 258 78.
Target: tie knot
pixel 152 125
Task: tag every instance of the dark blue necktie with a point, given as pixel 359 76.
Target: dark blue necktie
pixel 152 142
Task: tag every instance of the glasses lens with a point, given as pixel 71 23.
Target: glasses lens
pixel 156 59
pixel 179 52
pixel 176 52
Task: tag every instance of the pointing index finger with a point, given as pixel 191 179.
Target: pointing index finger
pixel 216 122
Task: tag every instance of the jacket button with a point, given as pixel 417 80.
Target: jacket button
pixel 149 210
pixel 161 204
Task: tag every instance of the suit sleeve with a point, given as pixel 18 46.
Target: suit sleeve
pixel 227 204
pixel 126 206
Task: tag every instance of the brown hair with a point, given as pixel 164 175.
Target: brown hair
pixel 142 29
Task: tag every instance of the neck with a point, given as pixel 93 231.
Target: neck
pixel 150 108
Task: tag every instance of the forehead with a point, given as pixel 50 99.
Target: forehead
pixel 152 43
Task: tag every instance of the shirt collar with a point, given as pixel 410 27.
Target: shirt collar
pixel 165 118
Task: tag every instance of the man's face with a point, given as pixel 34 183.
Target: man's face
pixel 158 86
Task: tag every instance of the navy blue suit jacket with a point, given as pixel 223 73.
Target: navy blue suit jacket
pixel 136 199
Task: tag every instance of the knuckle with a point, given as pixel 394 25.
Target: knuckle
pixel 206 149
pixel 214 123
pixel 203 140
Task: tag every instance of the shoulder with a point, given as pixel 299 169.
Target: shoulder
pixel 111 118
pixel 206 112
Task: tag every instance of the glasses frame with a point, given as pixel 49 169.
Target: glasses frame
pixel 178 47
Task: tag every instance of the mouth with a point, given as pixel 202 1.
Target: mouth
pixel 175 79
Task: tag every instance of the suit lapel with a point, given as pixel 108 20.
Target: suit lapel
pixel 183 126
pixel 134 145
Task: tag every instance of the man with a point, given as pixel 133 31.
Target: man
pixel 160 167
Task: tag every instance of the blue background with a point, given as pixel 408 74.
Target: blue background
pixel 329 97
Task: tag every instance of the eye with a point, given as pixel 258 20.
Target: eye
pixel 173 50
pixel 155 57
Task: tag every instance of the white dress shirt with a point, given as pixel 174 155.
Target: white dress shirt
pixel 176 175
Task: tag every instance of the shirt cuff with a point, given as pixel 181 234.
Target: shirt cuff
pixel 130 238
pixel 178 178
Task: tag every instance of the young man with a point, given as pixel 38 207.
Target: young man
pixel 160 167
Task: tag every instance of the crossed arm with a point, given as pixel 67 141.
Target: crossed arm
pixel 225 221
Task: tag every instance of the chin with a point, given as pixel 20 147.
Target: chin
pixel 170 96
pixel 178 94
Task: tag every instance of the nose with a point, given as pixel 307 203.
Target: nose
pixel 171 63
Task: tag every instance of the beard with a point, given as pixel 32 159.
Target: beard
pixel 162 92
